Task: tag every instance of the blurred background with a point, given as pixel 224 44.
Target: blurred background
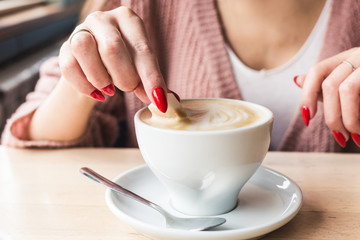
pixel 30 32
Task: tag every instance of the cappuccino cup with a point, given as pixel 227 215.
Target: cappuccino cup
pixel 204 160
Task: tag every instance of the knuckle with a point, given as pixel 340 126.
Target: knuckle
pixel 331 122
pixel 351 124
pixel 137 21
pixel 142 47
pixel 111 44
pixel 316 69
pixel 97 82
pixel 95 16
pixel 126 12
pixel 356 50
pixel 347 88
pixel 313 69
pixel 81 41
pixel 328 85
pixel 130 87
pixel 152 76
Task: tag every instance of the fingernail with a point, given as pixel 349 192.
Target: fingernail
pixel 306 115
pixel 175 94
pixel 109 90
pixel 339 138
pixel 356 138
pixel 97 95
pixel 295 81
pixel 160 99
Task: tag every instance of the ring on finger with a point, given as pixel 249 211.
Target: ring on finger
pixel 81 30
pixel 349 64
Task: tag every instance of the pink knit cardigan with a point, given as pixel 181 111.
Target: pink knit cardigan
pixel 187 37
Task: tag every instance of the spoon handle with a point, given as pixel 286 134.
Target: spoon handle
pixel 110 184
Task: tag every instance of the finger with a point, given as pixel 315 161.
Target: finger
pixel 84 49
pixel 331 96
pixel 73 73
pixel 299 81
pixel 312 86
pixel 332 104
pixel 349 91
pixel 141 94
pixel 113 51
pixel 135 36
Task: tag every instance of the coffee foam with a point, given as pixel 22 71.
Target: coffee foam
pixel 202 115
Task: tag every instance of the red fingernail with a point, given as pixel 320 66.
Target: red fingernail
pixel 109 90
pixel 306 115
pixel 160 99
pixel 339 138
pixel 356 138
pixel 97 95
pixel 295 81
pixel 175 94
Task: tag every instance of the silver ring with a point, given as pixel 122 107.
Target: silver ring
pixel 349 64
pixel 81 30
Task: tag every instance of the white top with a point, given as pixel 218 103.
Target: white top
pixel 275 88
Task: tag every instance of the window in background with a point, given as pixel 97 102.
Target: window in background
pixel 25 24
pixel 30 32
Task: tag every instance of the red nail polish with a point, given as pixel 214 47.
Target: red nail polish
pixel 295 81
pixel 356 138
pixel 306 115
pixel 339 138
pixel 109 90
pixel 97 95
pixel 175 94
pixel 160 99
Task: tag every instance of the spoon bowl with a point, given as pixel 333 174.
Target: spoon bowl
pixel 183 223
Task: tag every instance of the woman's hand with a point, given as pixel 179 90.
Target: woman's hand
pixel 112 48
pixel 336 82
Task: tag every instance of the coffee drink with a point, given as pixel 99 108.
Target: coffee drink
pixel 204 150
pixel 205 115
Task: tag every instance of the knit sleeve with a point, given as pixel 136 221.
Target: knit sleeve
pixel 108 121
pixel 102 129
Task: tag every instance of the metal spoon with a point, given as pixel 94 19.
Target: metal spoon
pixel 190 223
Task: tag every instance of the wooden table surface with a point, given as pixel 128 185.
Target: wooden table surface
pixel 44 197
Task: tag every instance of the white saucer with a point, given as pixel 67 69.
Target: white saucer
pixel 268 201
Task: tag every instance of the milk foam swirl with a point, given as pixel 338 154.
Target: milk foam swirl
pixel 206 115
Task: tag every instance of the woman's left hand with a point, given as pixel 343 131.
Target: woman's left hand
pixel 336 82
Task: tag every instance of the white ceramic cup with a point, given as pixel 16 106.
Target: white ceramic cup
pixel 204 171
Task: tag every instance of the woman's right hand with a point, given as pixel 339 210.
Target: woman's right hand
pixel 112 48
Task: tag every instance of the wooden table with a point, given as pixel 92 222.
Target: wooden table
pixel 44 197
